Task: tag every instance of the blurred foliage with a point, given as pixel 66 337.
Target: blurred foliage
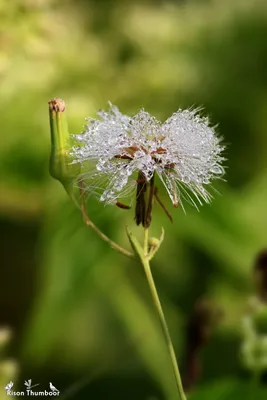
pixel 8 368
pixel 77 306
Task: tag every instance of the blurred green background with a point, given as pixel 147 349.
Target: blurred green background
pixel 80 313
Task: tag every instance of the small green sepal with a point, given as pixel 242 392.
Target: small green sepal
pixel 136 246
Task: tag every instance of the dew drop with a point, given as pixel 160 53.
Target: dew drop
pixel 216 170
pixel 186 179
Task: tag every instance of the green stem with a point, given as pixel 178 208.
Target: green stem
pixel 90 224
pixel 146 242
pixel 164 326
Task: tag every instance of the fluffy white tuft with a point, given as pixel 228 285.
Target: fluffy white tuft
pixel 184 152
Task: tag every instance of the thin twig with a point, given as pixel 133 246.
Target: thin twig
pixel 90 224
pixel 164 326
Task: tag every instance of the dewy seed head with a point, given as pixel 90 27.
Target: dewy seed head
pixel 184 153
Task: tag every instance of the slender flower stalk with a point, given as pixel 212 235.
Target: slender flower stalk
pixel 125 157
pixel 90 224
pixel 143 254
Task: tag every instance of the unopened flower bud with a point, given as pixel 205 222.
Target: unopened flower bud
pixel 61 166
pixel 153 243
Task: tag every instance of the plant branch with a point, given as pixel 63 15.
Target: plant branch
pixel 164 326
pixel 90 224
pixel 143 254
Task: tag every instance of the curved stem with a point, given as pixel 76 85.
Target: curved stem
pixel 164 326
pixel 90 224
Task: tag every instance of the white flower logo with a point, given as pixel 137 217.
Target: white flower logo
pixel 9 385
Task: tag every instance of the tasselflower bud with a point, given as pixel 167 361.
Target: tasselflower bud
pixel 61 166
